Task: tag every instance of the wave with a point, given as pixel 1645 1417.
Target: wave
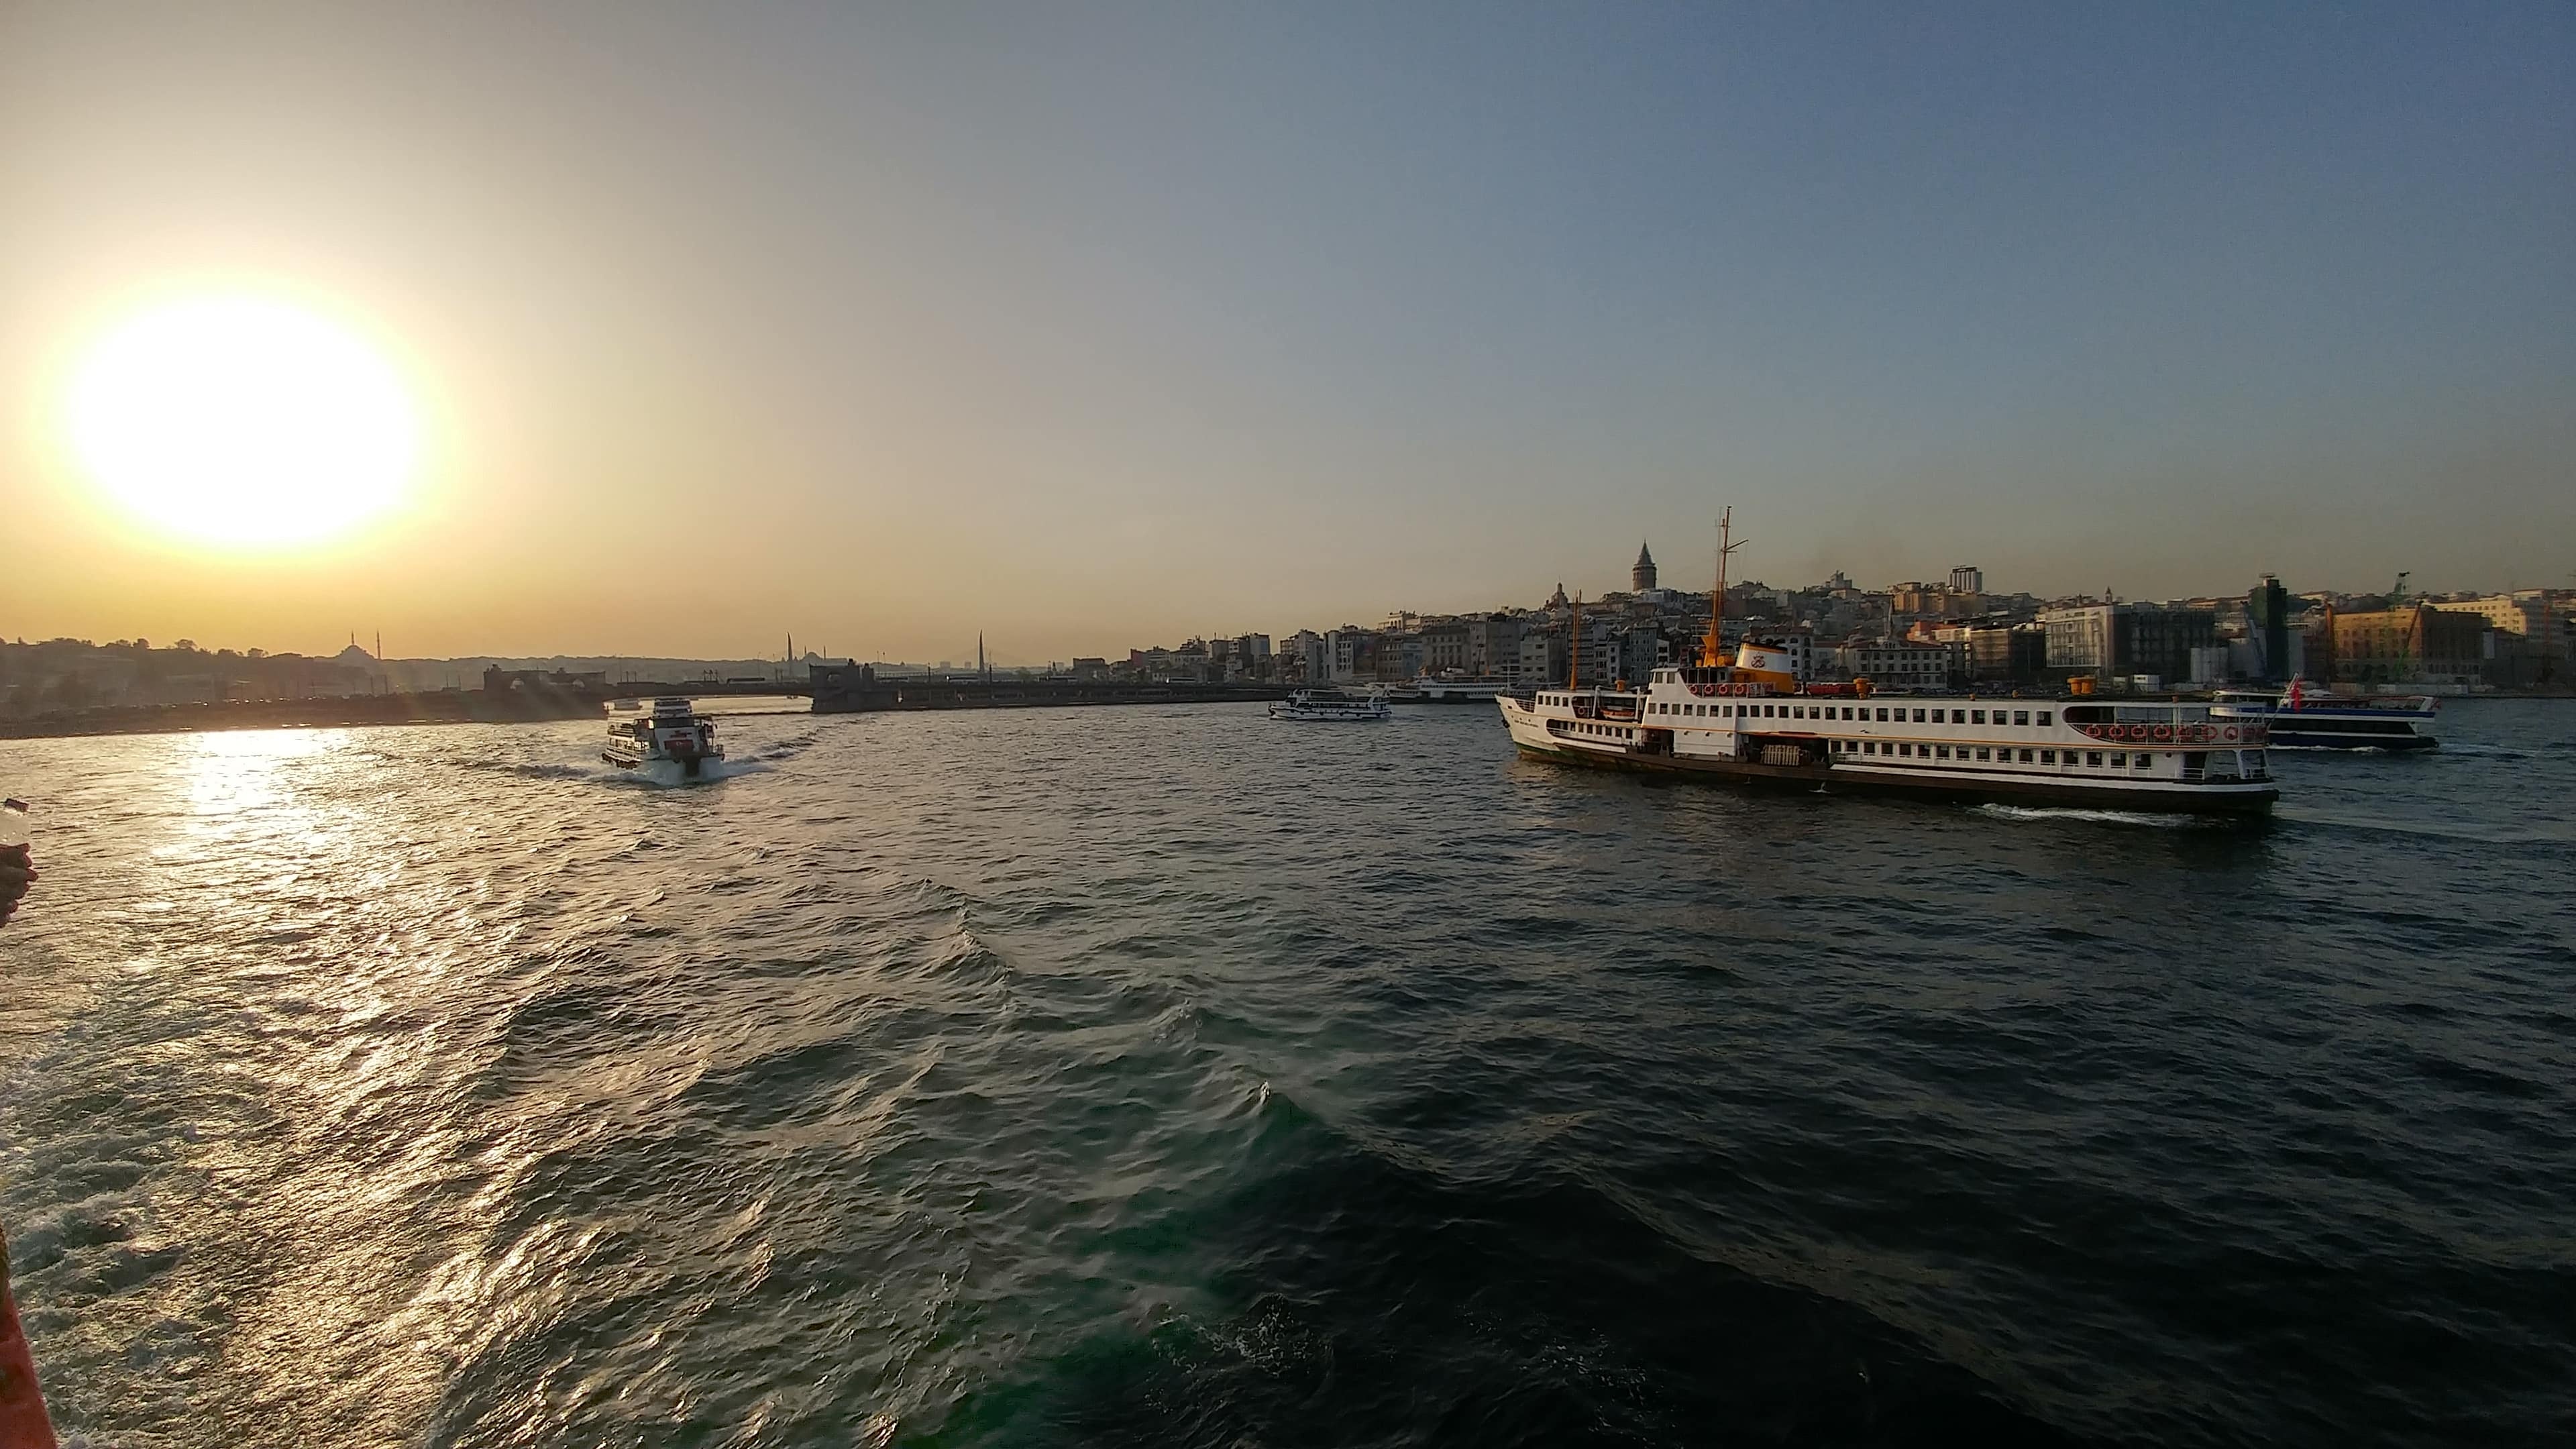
pixel 2155 819
pixel 2474 751
pixel 2553 834
pixel 663 775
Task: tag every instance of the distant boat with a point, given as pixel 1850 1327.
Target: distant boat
pixel 1311 706
pixel 674 731
pixel 1460 689
pixel 2334 722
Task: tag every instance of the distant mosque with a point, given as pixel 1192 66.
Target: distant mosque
pixel 1641 579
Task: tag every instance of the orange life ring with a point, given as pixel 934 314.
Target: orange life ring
pixel 2230 733
pixel 2164 732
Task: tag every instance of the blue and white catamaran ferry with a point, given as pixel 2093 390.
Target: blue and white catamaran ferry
pixel 2300 720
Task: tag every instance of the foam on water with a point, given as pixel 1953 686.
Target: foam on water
pixel 2152 819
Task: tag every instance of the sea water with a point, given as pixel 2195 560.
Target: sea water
pixel 1166 1076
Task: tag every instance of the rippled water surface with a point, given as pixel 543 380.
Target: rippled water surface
pixel 1170 1077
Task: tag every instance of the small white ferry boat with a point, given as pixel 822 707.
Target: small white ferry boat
pixel 1316 706
pixel 673 730
pixel 2300 720
pixel 1751 723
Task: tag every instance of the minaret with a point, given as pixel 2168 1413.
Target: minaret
pixel 1642 577
pixel 983 671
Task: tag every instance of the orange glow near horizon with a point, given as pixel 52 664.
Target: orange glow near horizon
pixel 243 422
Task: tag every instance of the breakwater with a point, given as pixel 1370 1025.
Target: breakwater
pixel 860 690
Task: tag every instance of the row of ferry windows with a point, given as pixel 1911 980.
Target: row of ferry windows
pixel 1856 714
pixel 2092 759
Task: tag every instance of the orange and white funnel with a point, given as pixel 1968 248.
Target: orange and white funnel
pixel 1763 664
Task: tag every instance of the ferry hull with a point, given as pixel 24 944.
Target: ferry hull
pixel 2255 800
pixel 2327 737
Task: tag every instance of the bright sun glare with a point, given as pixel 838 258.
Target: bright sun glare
pixel 243 421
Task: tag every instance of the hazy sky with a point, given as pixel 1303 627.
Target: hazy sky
pixel 1094 325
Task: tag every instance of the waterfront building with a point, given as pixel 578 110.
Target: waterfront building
pixel 2125 640
pixel 1352 651
pixel 1444 645
pixel 1542 657
pixel 1493 644
pixel 1899 664
pixel 2006 653
pixel 2536 617
pixel 2415 644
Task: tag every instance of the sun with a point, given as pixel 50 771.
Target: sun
pixel 244 421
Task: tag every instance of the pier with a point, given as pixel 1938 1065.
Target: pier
pixel 858 689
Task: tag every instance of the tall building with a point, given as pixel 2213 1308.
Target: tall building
pixel 2267 628
pixel 1967 579
pixel 1642 577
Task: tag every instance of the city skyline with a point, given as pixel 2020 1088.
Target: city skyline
pixel 891 327
pixel 811 651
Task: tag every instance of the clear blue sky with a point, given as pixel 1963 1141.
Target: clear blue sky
pixel 1091 325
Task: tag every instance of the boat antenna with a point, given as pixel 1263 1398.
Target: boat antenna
pixel 1711 653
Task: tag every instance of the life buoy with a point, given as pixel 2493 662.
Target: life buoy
pixel 2164 732
pixel 2230 734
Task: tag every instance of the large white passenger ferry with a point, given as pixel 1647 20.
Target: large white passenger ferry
pixel 1750 722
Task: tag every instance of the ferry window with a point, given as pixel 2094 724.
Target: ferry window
pixel 1918 716
pixel 1977 717
pixel 1944 751
pixel 2025 757
pixel 2145 760
pixel 1905 749
pixel 2048 757
pixel 1882 716
pixel 2093 758
pixel 2119 762
pixel 2021 716
pixel 1984 753
pixel 2043 719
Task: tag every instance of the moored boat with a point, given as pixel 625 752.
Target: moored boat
pixel 2300 720
pixel 672 731
pixel 1318 706
pixel 1459 689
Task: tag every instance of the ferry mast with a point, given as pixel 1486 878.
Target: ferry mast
pixel 1713 653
